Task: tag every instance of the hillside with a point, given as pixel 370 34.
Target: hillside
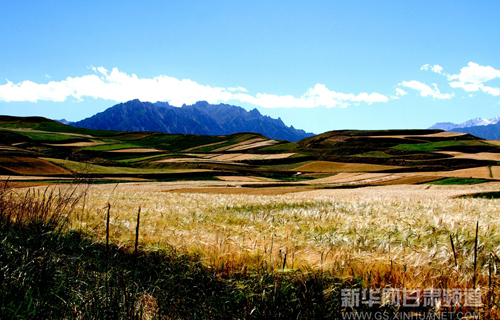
pixel 201 118
pixel 36 149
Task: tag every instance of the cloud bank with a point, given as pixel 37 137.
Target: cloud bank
pixel 471 79
pixel 120 86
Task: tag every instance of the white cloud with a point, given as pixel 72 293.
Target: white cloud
pixel 474 73
pixel 434 68
pixel 471 78
pixel 101 70
pixel 317 96
pixel 119 86
pixel 401 92
pixel 426 90
pixel 32 92
pixel 492 91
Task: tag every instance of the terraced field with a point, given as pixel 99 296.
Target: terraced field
pixel 41 147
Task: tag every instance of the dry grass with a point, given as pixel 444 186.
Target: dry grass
pixel 391 235
pixel 328 166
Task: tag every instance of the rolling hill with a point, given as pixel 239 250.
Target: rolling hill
pixel 35 149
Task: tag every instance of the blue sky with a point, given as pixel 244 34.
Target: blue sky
pixel 319 65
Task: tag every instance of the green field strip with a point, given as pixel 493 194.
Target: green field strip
pixel 457 181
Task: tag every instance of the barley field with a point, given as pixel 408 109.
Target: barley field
pixel 409 236
pixel 393 236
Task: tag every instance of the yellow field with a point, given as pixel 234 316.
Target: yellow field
pixel 478 173
pixel 357 178
pixel 389 235
pixel 328 166
pixel 476 156
pixel 243 143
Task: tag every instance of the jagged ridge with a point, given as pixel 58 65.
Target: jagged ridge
pixel 199 118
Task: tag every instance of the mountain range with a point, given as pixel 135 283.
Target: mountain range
pixel 483 128
pixel 203 118
pixel 448 126
pixel 200 118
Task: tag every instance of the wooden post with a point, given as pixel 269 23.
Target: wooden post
pixel 137 230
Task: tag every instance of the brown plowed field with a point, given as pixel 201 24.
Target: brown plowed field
pixel 31 166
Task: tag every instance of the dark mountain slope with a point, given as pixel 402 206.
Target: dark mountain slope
pixel 200 118
pixel 491 132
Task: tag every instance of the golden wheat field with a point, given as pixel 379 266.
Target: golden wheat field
pixel 409 236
